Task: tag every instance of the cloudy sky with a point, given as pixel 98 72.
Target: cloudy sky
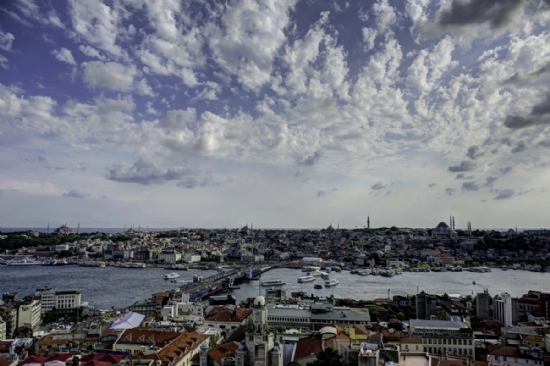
pixel 286 113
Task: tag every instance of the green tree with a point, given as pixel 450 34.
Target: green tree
pixel 328 357
pixel 400 316
pixel 374 314
pixel 445 296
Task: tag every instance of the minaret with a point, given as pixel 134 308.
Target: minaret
pixel 368 222
pixel 454 227
pixel 48 231
pixel 451 222
pixel 78 230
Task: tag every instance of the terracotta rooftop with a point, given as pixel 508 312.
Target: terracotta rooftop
pixel 502 351
pixel 306 347
pixel 221 351
pixel 146 336
pixel 177 349
pixel 227 315
pixel 412 340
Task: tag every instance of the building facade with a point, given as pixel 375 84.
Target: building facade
pixel 444 336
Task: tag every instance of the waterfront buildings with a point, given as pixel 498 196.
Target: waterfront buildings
pixel 29 314
pixel 63 300
pixel 502 309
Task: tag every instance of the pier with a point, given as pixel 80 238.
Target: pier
pixel 221 281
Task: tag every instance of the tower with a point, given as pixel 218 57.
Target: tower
pixel 78 230
pixel 454 227
pixel 368 222
pixel 48 230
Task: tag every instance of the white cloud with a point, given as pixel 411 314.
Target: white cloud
pixel 6 39
pixel 91 52
pixel 64 55
pixel 109 75
pixel 385 14
pixel 369 35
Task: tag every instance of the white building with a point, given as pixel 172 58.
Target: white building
pixel 61 299
pixel 169 256
pixel 29 314
pixel 2 329
pixel 502 308
pixel 444 336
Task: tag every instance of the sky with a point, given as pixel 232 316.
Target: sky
pixel 279 114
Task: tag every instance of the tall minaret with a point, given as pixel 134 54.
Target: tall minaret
pixel 48 231
pixel 451 222
pixel 454 227
pixel 368 222
pixel 78 230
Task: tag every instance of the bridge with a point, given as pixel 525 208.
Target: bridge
pixel 205 287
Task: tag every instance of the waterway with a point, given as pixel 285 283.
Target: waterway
pixel 120 287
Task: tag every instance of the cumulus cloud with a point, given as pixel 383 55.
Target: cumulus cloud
pixel 473 152
pixel 76 194
pixel 146 173
pixel 539 115
pixel 322 192
pixel 505 170
pixel 505 194
pixel 520 147
pixel 178 118
pixel 6 40
pixel 544 143
pixel 109 75
pixel 490 181
pixel 470 186
pixel 465 166
pixel 464 176
pixel 311 160
pixel 378 186
pixel 450 191
pixel 497 13
pixel 64 55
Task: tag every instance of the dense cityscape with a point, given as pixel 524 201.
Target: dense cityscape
pixel 201 323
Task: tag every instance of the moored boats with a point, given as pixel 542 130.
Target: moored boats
pixel 22 262
pixel 325 275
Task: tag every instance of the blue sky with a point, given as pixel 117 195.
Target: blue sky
pixel 287 113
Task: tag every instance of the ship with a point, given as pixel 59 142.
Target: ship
pixel 331 283
pixel 270 283
pixel 307 278
pixel 325 275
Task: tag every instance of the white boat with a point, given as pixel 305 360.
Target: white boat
pixel 92 264
pixel 364 272
pixel 22 262
pixel 331 283
pixel 311 269
pixel 179 267
pixel 315 273
pixel 169 276
pixel 269 283
pixel 325 275
pixel 197 278
pixel 307 278
pixel 135 265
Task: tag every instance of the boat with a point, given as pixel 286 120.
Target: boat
pixel 328 269
pixel 197 278
pixel 222 269
pixel 310 269
pixel 387 272
pixel 364 272
pixel 135 265
pixel 317 286
pixel 269 283
pixel 473 282
pixel 504 267
pixel 307 278
pixel 22 262
pixel 315 273
pixel 173 281
pixel 179 267
pixel 92 264
pixel 170 276
pixel 325 275
pixel 331 283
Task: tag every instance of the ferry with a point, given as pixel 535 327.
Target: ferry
pixel 92 264
pixel 170 276
pixel 325 275
pixel 311 269
pixel 135 265
pixel 269 283
pixel 315 273
pixel 331 283
pixel 307 278
pixel 179 267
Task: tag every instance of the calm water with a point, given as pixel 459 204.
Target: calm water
pixel 120 287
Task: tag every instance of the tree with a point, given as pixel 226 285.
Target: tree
pixel 400 316
pixel 445 296
pixel 328 357
pixel 374 314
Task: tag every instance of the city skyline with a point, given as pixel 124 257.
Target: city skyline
pixel 289 114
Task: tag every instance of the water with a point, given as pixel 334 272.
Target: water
pixel 121 287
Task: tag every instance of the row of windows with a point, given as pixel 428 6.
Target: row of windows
pixel 535 362
pixel 444 341
pixel 460 351
pixel 288 320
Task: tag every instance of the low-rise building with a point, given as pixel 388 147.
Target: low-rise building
pixel 444 336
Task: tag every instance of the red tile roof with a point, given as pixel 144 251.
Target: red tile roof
pixel 220 352
pixel 306 347
pixel 227 315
